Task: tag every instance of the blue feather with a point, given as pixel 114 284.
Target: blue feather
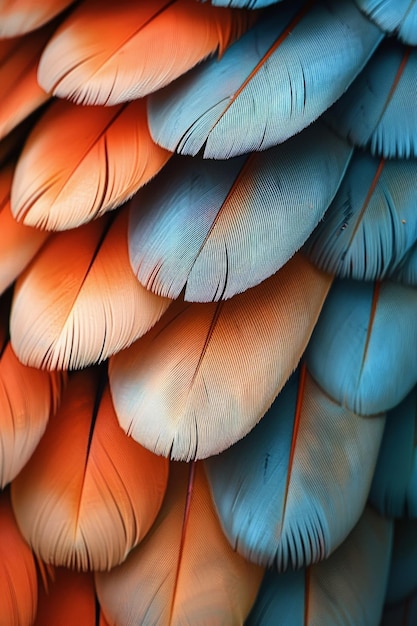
pixel 290 492
pixel 363 349
pixel 402 581
pixel 406 271
pixel 398 17
pixel 394 487
pixel 379 111
pixel 242 4
pixel 345 590
pixel 372 222
pixel 218 228
pixel 272 83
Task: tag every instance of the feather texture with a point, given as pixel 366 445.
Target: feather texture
pixel 174 589
pixel 378 110
pixel 219 228
pixel 18 584
pixel 207 373
pixel 364 329
pixel 100 65
pixel 22 16
pixel 298 483
pixel 18 243
pixel 91 510
pixel 104 155
pixel 397 17
pixel 347 589
pixel 394 487
pixel 65 304
pixel 233 106
pixel 371 224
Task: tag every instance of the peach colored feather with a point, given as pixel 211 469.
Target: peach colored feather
pixel 20 91
pixel 89 493
pixel 100 65
pixel 22 16
pixel 18 243
pixel 65 303
pixel 18 583
pixel 79 162
pixel 186 389
pixel 185 571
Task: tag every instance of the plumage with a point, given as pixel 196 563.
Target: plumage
pixel 378 111
pixel 232 106
pixel 396 17
pixel 18 583
pixel 404 613
pixel 175 589
pixel 186 389
pixel 402 581
pixel 363 329
pixel 188 227
pixel 394 487
pixel 89 512
pixel 298 483
pixel 371 224
pixel 65 302
pixel 347 589
pixel 22 16
pixel 99 66
pixel 103 157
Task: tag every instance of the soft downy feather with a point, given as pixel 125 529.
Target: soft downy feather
pixel 99 65
pixel 371 224
pixel 89 511
pixel 185 569
pixel 394 487
pixel 362 352
pixel 22 16
pixel 378 109
pixel 18 582
pixel 234 106
pixel 292 490
pixel 347 589
pixel 219 228
pixel 206 373
pixel 65 303
pixel 396 17
pixel 79 162
pixel 18 243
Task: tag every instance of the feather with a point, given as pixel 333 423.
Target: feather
pixel 404 614
pixel 347 589
pixel 394 487
pixel 397 17
pixel 218 228
pixel 22 16
pixel 378 110
pixel 402 581
pixel 362 350
pixel 207 373
pixel 268 86
pixel 20 92
pixel 65 303
pixel 406 271
pixel 371 224
pixel 298 483
pixel 248 4
pixel 68 600
pixel 101 159
pixel 91 510
pixel 28 397
pixel 18 243
pixel 175 589
pixel 100 65
pixel 18 583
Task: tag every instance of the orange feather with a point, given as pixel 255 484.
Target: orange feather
pixel 66 301
pixel 22 16
pixel 89 493
pixel 184 572
pixel 18 583
pixel 207 373
pixel 18 243
pixel 100 65
pixel 79 162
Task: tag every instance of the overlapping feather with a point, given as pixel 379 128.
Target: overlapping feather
pixel 22 16
pixel 396 17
